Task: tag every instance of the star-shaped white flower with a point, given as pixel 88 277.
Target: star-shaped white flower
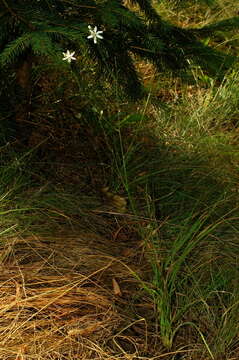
pixel 94 34
pixel 68 56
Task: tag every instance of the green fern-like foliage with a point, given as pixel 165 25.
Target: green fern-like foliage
pixel 46 28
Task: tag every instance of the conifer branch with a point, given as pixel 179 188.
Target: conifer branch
pixel 17 16
pixel 57 26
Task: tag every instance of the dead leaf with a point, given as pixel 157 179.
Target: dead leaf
pixel 116 288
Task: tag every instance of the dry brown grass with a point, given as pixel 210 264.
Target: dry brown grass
pixel 69 298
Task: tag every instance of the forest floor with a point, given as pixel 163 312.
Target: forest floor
pixel 73 265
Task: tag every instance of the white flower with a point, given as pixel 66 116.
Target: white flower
pixel 68 56
pixel 94 34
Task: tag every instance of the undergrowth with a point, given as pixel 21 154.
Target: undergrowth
pixel 179 170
